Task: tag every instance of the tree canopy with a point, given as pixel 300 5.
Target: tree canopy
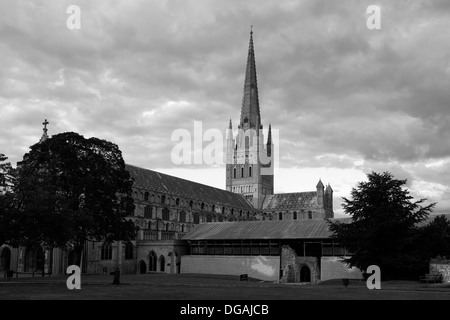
pixel 71 190
pixel 7 203
pixel 383 225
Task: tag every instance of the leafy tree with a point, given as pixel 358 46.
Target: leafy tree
pixel 434 239
pixel 7 207
pixel 71 190
pixel 382 227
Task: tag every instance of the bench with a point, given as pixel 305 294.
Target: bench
pixel 434 278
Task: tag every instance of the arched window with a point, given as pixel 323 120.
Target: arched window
pixel 202 206
pixel 309 215
pixel 148 212
pixel 240 213
pixel 249 171
pixel 182 228
pixel 162 263
pixel 242 172
pixel 245 120
pixel 106 251
pixel 177 202
pixel 167 227
pixel 234 174
pixel 152 261
pixel 163 199
pixel 280 216
pixel 232 211
pixel 149 225
pixel 146 196
pixel 196 218
pixel 182 216
pixel 295 215
pixel 166 214
pixel 191 204
pixel 129 251
pixel 223 210
pixel 213 208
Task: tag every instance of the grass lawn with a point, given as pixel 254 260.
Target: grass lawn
pixel 210 287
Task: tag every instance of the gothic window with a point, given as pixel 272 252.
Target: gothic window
pixel 234 172
pixel 167 227
pixel 232 211
pixel 148 210
pixel 223 210
pixel 280 216
pixel 213 209
pixel 191 203
pixel 245 120
pixel 129 251
pixel 196 218
pixel 202 206
pixel 177 202
pixel 240 213
pixel 149 227
pixel 106 253
pixel 249 171
pixel 163 199
pixel 242 172
pixel 295 215
pixel 309 215
pixel 182 216
pixel 146 196
pixel 165 214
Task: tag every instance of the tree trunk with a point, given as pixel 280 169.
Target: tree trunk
pixel 116 280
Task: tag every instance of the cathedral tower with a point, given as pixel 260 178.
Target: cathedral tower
pixel 249 168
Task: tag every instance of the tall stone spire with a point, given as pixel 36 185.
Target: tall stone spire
pixel 44 134
pixel 250 115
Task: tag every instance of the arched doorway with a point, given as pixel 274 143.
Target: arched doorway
pixel 305 274
pixel 162 263
pixel 142 267
pixel 152 261
pixel 34 259
pixel 5 259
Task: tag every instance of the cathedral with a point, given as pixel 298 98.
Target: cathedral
pixel 194 228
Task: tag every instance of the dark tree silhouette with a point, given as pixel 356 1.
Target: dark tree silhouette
pixel 71 190
pixel 383 225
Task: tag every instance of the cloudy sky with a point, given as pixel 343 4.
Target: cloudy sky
pixel 346 100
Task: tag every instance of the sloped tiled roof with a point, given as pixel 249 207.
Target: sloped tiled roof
pixel 286 201
pixel 159 182
pixel 267 229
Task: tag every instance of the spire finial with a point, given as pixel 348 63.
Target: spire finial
pixel 44 135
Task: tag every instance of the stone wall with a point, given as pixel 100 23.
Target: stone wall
pixel 441 267
pixel 291 266
pixel 260 267
pixel 333 268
